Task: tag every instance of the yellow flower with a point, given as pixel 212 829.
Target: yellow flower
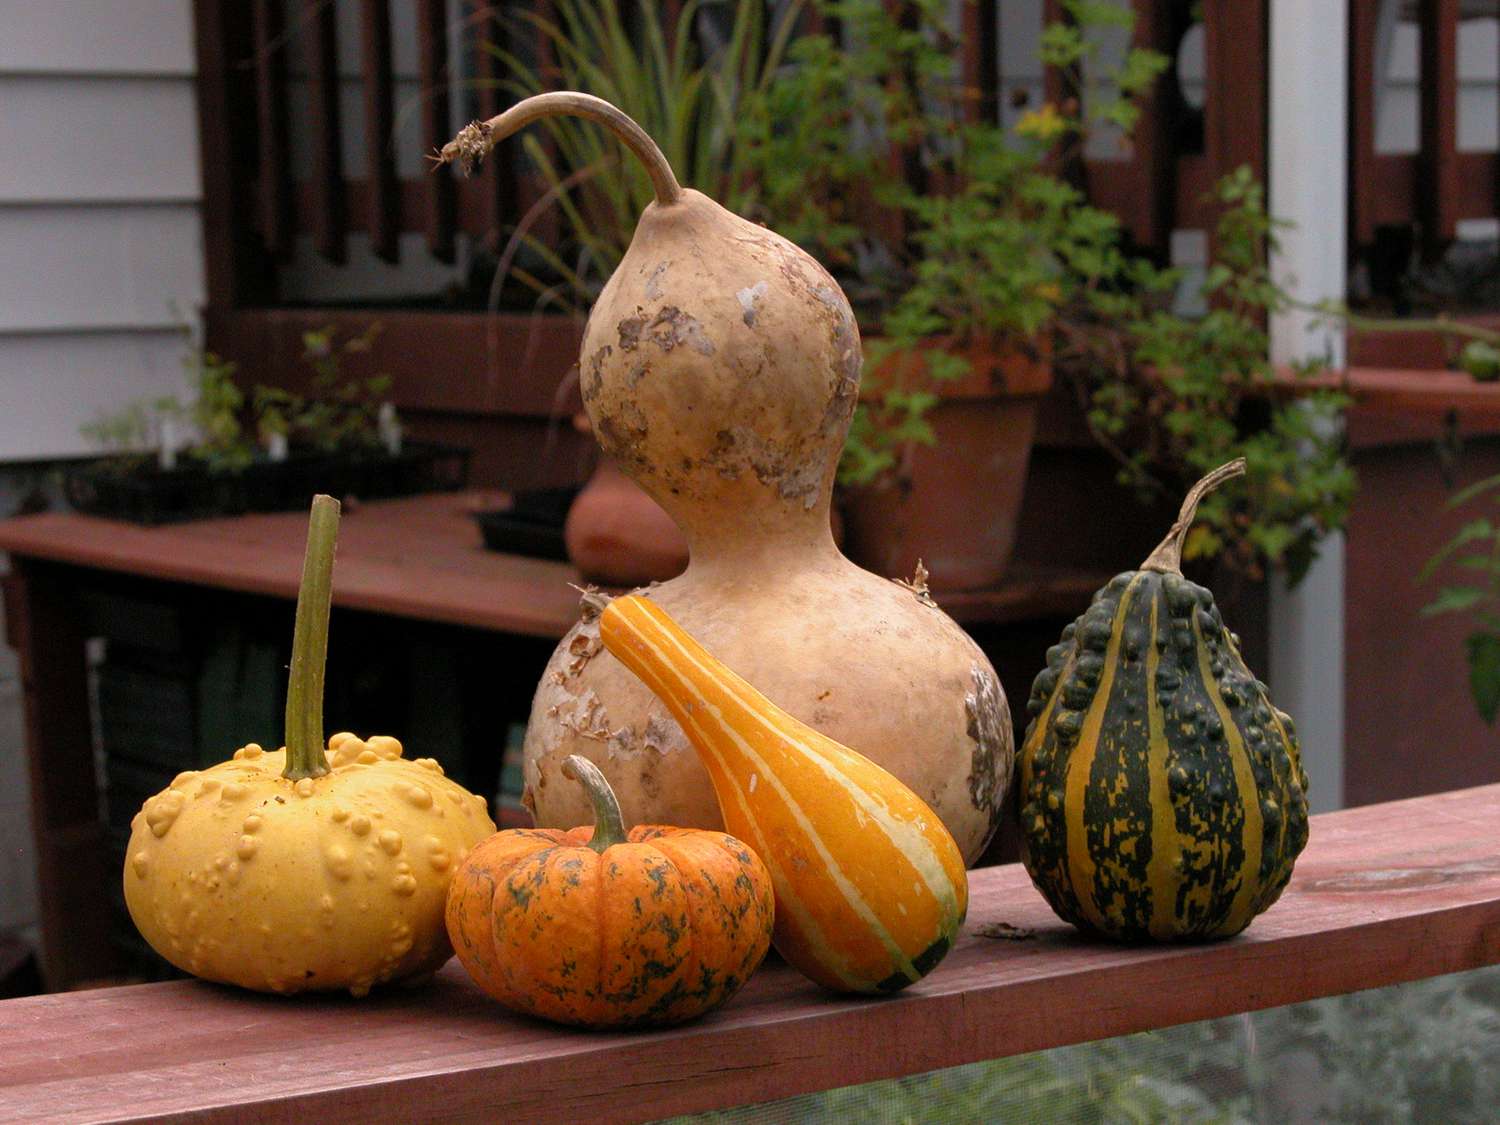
pixel 1042 124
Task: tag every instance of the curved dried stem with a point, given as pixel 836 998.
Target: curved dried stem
pixel 475 140
pixel 1168 556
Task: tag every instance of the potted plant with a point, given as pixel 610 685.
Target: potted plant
pixel 225 452
pixel 979 272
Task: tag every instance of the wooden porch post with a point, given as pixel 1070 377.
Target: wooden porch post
pixel 1308 111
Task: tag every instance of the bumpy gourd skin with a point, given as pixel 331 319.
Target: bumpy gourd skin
pixel 657 930
pixel 236 874
pixel 1162 794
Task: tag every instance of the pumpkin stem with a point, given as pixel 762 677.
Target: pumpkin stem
pixel 476 139
pixel 609 824
pixel 305 756
pixel 1168 556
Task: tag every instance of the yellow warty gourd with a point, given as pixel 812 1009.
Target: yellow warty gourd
pixel 297 870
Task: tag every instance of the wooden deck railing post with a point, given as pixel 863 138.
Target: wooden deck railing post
pixel 234 261
pixel 329 210
pixel 275 178
pixel 440 195
pixel 383 219
pixel 1437 179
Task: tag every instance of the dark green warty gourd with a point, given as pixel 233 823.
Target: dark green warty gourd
pixel 1162 794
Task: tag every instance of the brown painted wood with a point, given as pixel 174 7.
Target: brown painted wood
pixel 1155 159
pixel 1411 349
pixel 979 60
pixel 1420 731
pixel 1397 180
pixel 1237 55
pixel 1438 164
pixel 1363 18
pixel 500 202
pixel 328 220
pixel 233 271
pixel 274 197
pixel 474 363
pixel 1027 593
pixel 420 558
pixel 384 218
pixel 1407 392
pixel 440 197
pixel 69 840
pixel 1383 895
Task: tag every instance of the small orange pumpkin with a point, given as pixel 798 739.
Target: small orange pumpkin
pixel 592 927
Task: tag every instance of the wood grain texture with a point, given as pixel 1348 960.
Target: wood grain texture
pixel 421 557
pixel 1384 894
pixel 45 630
pixel 1438 209
pixel 384 217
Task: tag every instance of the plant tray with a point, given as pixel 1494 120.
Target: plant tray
pixel 531 526
pixel 124 488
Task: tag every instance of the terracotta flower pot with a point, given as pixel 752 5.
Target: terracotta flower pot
pixel 954 505
pixel 618 536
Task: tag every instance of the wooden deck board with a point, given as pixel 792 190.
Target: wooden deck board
pixel 420 557
pixel 1384 894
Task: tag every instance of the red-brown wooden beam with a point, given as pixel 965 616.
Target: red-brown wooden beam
pixel 441 197
pixel 1236 49
pixel 1383 895
pixel 1155 159
pixel 501 205
pixel 384 218
pixel 42 625
pixel 327 218
pixel 1364 18
pixel 463 362
pixel 1437 195
pixel 233 259
pixel 275 192
pixel 979 38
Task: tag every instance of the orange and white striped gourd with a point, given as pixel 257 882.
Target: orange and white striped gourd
pixel 870 886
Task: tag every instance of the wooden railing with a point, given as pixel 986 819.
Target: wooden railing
pixel 1439 185
pixel 313 166
pixel 310 166
pixel 1383 894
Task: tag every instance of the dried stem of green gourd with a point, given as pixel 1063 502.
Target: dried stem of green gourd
pixel 609 823
pixel 476 139
pixel 1168 556
pixel 305 756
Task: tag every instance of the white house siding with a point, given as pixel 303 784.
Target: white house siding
pixel 100 240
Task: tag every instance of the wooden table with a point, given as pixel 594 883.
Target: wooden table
pixel 1383 894
pixel 420 559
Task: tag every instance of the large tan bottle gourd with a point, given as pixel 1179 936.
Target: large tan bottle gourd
pixel 720 367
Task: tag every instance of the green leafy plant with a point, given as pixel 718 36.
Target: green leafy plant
pixel 226 423
pixel 1472 557
pixel 951 233
pixel 686 81
pixel 941 226
pixel 342 410
pixel 1171 395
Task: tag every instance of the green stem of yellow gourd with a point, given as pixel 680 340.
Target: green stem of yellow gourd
pixel 305 756
pixel 609 824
